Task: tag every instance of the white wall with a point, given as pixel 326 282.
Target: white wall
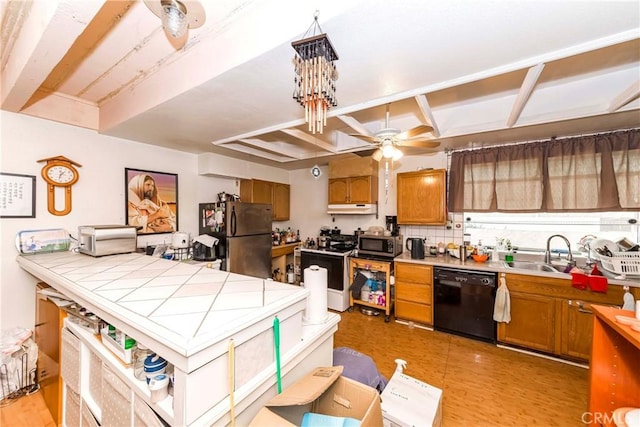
pixel 309 202
pixel 98 196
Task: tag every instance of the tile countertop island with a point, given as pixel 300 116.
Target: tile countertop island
pixel 498 267
pixel 188 314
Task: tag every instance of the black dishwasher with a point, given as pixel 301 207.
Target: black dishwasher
pixel 463 302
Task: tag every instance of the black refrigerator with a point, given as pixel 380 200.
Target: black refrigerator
pixel 244 235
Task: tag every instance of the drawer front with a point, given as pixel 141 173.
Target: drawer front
pixel 71 407
pixel 414 292
pixel 421 313
pixel 371 264
pixel 116 400
pixel 70 360
pixel 414 273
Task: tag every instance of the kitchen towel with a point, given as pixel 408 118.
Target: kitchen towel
pixel 502 306
pixel 315 281
pixel 627 301
pixel 356 287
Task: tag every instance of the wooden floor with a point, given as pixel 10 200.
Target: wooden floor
pixel 483 385
pixel 26 411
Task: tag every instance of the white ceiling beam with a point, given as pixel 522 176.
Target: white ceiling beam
pixel 526 89
pixel 279 149
pixel 257 153
pixel 427 113
pixel 354 124
pixel 32 56
pixel 303 136
pixel 626 96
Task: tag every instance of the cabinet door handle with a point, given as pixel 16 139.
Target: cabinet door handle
pixel 581 308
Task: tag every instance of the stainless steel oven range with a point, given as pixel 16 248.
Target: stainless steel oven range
pixel 463 302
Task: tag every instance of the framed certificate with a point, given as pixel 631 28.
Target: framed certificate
pixel 17 195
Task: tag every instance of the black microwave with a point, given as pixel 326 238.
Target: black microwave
pixel 386 246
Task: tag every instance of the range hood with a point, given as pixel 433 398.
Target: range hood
pixel 353 209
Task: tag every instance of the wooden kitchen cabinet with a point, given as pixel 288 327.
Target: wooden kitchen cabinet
pixel 281 201
pixel 549 315
pixel 354 190
pixel 353 167
pixel 275 194
pixel 532 322
pixel 421 197
pixel 414 292
pixel 576 328
pixel 49 323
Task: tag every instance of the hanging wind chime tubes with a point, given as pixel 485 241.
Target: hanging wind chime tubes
pixel 315 77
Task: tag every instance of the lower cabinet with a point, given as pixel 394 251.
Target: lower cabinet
pixel 49 319
pixel 414 292
pixel 532 322
pixel 549 315
pixel 576 332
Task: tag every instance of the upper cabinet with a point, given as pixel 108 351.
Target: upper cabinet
pixel 281 198
pixel 273 193
pixel 422 197
pixel 356 190
pixel 353 181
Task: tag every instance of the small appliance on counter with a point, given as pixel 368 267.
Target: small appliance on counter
pixel 416 246
pixel 379 245
pixel 100 240
pixel 392 225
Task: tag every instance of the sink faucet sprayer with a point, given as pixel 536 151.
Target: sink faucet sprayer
pixel 547 253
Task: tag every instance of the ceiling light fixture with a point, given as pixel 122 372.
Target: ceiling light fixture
pixel 177 16
pixel 387 151
pixel 315 77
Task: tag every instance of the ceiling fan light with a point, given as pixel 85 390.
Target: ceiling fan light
pixel 388 151
pixel 397 155
pixel 174 18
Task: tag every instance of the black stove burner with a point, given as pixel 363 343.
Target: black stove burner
pixel 342 243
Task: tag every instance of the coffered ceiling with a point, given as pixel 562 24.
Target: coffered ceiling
pixel 479 72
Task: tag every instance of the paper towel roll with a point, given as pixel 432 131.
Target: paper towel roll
pixel 315 281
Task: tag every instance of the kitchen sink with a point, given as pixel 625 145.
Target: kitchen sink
pixel 536 266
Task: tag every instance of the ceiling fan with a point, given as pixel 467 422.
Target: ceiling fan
pixel 389 139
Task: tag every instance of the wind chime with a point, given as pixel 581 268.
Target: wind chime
pixel 315 77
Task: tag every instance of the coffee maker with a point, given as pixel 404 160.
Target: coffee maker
pixel 392 225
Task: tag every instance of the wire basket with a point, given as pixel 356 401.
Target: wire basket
pixel 623 263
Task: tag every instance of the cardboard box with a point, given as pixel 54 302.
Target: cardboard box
pixel 323 391
pixel 408 402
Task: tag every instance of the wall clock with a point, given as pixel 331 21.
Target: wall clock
pixel 316 171
pixel 59 172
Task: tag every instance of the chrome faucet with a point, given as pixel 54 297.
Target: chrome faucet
pixel 547 253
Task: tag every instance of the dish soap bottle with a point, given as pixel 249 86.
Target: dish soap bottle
pixel 508 257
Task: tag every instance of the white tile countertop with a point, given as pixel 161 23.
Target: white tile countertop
pixel 499 267
pixel 177 307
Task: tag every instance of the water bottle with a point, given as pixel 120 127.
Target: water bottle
pixel 290 275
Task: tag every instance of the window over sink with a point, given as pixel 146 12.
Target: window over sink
pixel 530 231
